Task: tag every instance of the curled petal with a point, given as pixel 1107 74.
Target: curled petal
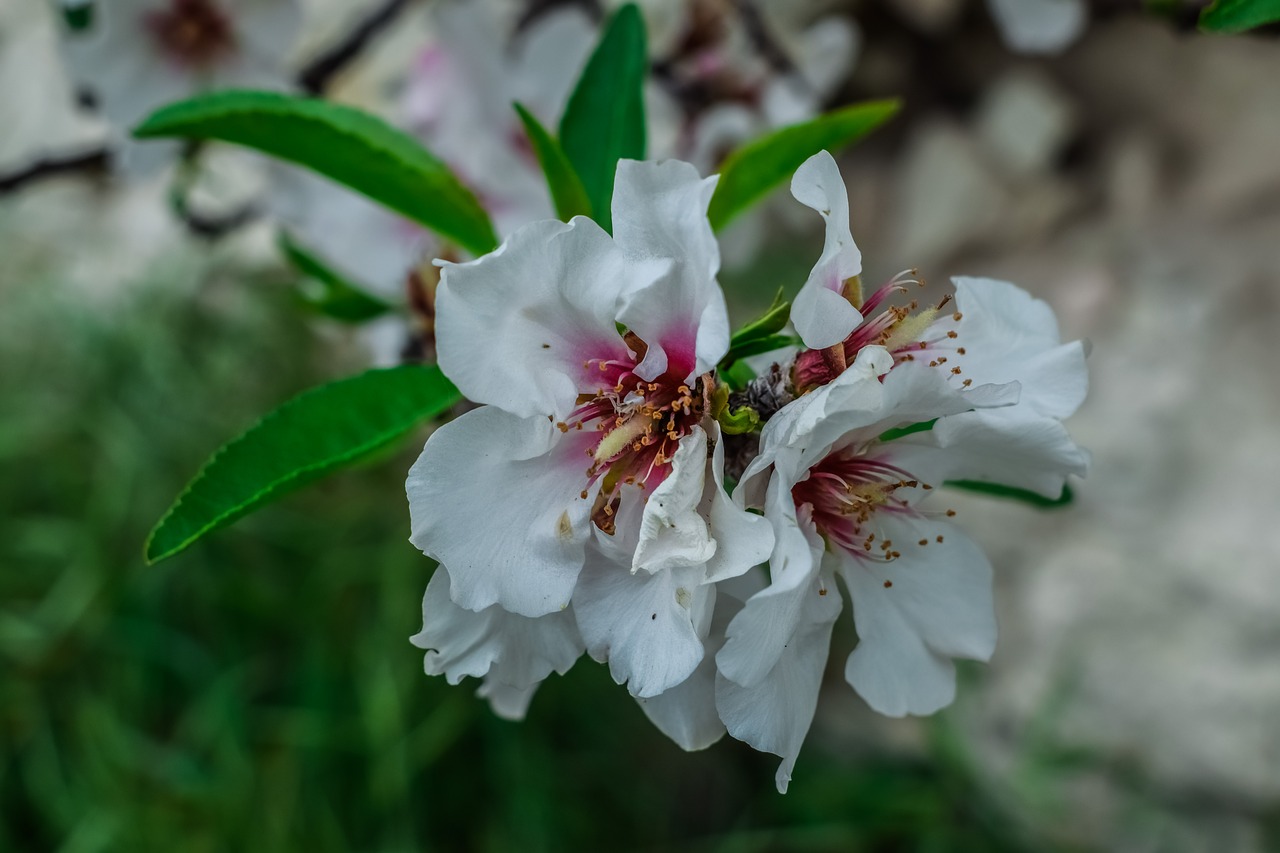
pixel 743 539
pixel 821 314
pixel 673 534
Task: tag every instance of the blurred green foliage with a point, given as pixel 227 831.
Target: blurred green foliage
pixel 259 691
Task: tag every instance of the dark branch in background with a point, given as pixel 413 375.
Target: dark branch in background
pixel 315 76
pixel 94 161
pixel 211 228
pixel 758 31
pixel 535 9
pixel 1182 14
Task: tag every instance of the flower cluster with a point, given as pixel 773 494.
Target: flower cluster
pixel 584 505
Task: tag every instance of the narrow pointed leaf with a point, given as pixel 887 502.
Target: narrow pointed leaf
pixel 78 17
pixel 1237 16
pixel 749 173
pixel 910 429
pixel 308 437
pixel 335 296
pixel 342 143
pixel 1000 491
pixel 604 119
pixel 756 346
pixel 768 323
pixel 567 193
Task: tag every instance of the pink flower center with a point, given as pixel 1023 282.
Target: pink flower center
pixel 905 330
pixel 193 33
pixel 845 491
pixel 637 426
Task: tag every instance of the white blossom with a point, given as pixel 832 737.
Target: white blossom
pixel 983 382
pixel 987 332
pixel 590 476
pixel 843 502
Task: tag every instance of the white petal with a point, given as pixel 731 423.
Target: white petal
pixel 496 499
pixel 855 397
pixel 267 29
pixel 645 625
pixel 1039 26
pixel 673 534
pixel 828 51
pixel 121 63
pixel 775 715
pixel 1010 336
pixel 690 521
pixel 760 634
pixel 915 613
pixel 507 702
pixel 514 327
pixel 821 314
pixel 858 406
pixel 1013 448
pixel 720 128
pixel 914 392
pixel 687 712
pixel 660 212
pixel 511 650
pixel 743 539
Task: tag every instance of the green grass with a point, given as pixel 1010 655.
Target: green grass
pixel 259 692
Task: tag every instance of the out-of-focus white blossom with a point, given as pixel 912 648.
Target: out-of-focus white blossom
pixel 1039 26
pixel 138 55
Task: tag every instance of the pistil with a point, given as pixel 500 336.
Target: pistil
pixel 845 491
pixel 904 330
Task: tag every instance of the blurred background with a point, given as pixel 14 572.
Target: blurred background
pixel 259 691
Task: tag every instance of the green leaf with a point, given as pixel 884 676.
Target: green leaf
pixel 347 145
pixel 769 323
pixel 1013 493
pixel 760 335
pixel 308 437
pixel 899 432
pixel 567 192
pixel 337 297
pixel 604 119
pixel 79 16
pixel 1236 16
pixel 738 375
pixel 759 345
pixel 751 171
